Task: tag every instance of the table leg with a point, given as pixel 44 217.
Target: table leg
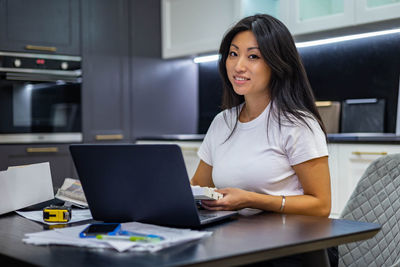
pixel 316 258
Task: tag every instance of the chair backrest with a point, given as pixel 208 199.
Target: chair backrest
pixel 376 199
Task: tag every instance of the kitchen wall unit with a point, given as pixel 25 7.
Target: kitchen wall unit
pixel 40 26
pixel 187 31
pixel 375 10
pixel 105 87
pixel 347 163
pixel 192 27
pixel 57 155
pixel 307 16
pixel 276 8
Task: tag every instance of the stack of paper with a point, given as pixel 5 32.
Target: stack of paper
pixel 70 236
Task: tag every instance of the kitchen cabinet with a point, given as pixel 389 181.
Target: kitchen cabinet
pixel 187 31
pixel 347 163
pixel 192 27
pixel 276 8
pixel 307 16
pixel 376 10
pixel 40 26
pixel 105 87
pixel 57 155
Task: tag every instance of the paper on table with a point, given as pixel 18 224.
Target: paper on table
pixel 22 186
pixel 70 236
pixel 77 215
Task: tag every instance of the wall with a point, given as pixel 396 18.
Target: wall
pixel 164 92
pixel 164 97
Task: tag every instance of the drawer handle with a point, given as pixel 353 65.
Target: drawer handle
pixel 369 153
pixel 41 48
pixel 102 137
pixel 42 149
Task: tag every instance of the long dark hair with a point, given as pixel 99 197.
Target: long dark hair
pixel 290 90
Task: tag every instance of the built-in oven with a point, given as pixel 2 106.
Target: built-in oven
pixel 40 98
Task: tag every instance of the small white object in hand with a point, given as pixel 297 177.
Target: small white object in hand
pixel 205 193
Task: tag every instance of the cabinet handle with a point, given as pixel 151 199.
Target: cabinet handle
pixel 368 153
pixel 323 103
pixel 41 48
pixel 186 148
pixel 42 149
pixel 108 137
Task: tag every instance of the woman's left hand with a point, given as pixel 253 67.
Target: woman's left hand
pixel 234 199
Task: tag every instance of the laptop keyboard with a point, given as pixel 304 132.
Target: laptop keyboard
pixel 206 216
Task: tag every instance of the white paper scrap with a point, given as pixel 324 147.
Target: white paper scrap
pixel 77 216
pixel 70 236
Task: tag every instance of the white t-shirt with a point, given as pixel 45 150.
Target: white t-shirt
pixel 254 161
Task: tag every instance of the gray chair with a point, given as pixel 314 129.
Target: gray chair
pixel 376 199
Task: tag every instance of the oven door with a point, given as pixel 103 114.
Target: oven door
pixel 39 108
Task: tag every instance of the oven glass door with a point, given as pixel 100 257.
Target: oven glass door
pixel 39 107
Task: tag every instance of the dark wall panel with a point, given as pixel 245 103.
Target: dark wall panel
pixel 164 97
pixel 210 94
pixel 363 68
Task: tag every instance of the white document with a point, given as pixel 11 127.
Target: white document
pixel 70 236
pixel 77 216
pixel 23 186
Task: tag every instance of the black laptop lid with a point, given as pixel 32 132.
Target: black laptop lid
pixel 145 183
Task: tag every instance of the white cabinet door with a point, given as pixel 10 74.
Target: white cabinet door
pixel 348 164
pixel 307 16
pixel 333 160
pixel 276 8
pixel 191 27
pixel 376 10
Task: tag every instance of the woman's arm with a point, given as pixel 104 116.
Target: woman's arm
pixel 203 175
pixel 313 176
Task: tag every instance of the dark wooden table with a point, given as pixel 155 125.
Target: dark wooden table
pixel 238 241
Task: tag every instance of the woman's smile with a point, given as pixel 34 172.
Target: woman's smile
pixel 239 80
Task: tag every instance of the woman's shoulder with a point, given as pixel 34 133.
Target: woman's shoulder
pixel 300 120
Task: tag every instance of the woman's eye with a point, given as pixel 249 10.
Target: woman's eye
pixel 232 54
pixel 254 57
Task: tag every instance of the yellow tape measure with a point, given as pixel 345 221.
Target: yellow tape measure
pixel 55 214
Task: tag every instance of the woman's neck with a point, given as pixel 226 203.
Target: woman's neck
pixel 253 108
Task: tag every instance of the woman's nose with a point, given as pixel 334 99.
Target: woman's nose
pixel 240 65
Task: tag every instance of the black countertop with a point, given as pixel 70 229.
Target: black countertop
pixel 389 138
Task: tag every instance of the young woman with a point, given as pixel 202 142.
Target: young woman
pixel 267 148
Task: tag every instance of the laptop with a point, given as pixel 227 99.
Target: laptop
pixel 144 183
